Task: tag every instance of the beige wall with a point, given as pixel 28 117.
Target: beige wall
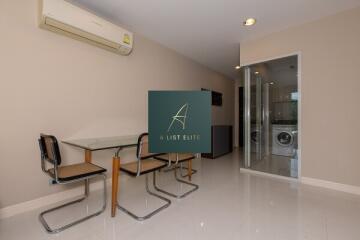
pixel 57 85
pixel 330 85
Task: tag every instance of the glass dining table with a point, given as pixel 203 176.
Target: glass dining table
pixel 118 143
pixel 96 144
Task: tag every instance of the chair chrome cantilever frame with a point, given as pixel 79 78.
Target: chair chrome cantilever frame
pixel 67 174
pixel 176 163
pixel 146 163
pixel 181 167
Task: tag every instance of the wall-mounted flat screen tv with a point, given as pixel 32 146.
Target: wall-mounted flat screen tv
pixel 216 97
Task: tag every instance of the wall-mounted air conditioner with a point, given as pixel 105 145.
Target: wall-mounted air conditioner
pixel 63 17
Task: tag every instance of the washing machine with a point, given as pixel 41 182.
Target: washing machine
pixel 284 139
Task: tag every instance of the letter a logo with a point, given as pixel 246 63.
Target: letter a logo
pixel 180 116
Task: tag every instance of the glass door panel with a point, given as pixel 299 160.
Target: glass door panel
pixel 270 117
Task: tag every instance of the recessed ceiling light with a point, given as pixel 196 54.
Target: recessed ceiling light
pixel 249 22
pixel 256 72
pixel 237 67
pixel 271 83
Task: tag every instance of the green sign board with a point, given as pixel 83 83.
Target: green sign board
pixel 179 121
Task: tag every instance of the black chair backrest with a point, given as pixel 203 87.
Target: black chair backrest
pixel 142 151
pixel 49 149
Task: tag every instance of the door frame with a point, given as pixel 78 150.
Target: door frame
pixel 299 105
pixel 241 102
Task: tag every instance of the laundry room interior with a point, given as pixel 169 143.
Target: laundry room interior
pixel 273 110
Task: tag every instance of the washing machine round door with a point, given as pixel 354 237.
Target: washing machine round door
pixel 285 138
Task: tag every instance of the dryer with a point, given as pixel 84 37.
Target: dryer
pixel 255 137
pixel 284 139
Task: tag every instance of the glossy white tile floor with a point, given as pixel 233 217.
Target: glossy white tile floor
pixel 273 164
pixel 228 205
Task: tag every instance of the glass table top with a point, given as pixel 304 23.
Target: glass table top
pixel 94 144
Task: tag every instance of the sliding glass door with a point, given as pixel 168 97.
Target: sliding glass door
pixel 256 118
pixel 270 117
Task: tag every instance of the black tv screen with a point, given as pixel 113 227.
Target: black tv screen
pixel 216 97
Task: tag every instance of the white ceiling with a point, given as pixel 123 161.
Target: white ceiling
pixel 209 31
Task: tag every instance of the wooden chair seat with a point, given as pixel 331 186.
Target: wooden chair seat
pixel 172 157
pixel 75 171
pixel 147 166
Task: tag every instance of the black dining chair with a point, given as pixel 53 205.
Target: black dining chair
pixel 59 174
pixel 176 159
pixel 145 163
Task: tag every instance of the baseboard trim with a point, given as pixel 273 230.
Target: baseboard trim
pixel 47 200
pixel 331 185
pixel 270 175
pixel 310 181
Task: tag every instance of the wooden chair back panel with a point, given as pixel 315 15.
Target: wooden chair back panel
pixel 50 149
pixel 144 152
pixel 143 147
